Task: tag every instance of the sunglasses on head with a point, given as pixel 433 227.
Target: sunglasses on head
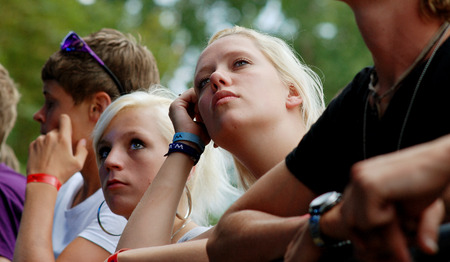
pixel 73 43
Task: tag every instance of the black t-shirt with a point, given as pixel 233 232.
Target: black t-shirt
pixel 323 158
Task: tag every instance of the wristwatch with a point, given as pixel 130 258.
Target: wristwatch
pixel 317 208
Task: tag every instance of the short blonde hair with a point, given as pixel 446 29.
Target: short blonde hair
pixel 294 73
pixel 209 185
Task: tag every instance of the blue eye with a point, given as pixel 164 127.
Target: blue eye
pixel 103 152
pixel 241 62
pixel 202 83
pixel 136 144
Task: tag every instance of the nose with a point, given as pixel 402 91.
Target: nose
pixel 219 79
pixel 113 161
pixel 39 116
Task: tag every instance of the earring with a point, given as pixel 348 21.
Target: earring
pixel 100 222
pixel 189 199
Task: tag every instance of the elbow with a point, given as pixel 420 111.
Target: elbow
pixel 214 247
pixel 212 250
pixel 220 241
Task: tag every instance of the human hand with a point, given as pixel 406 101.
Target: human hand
pixel 52 153
pixel 392 241
pixel 183 111
pixel 391 202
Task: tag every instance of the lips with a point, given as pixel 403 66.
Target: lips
pixel 222 97
pixel 114 183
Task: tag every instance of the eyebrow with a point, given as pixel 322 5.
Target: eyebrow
pixel 232 53
pixel 47 94
pixel 127 135
pixel 102 142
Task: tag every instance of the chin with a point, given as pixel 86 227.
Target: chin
pixel 121 211
pixel 121 207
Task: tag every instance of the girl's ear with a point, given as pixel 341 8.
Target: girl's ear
pixel 293 100
pixel 100 102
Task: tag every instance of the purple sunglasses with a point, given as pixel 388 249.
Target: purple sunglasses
pixel 72 42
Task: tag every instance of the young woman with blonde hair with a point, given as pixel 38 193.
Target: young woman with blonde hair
pixel 130 141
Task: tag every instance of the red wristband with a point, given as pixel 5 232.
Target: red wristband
pixel 44 178
pixel 113 257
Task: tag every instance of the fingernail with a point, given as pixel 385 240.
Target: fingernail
pixel 431 244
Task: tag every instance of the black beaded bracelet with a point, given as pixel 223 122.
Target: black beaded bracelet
pixel 183 148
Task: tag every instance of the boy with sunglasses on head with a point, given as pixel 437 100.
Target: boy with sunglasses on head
pixel 62 205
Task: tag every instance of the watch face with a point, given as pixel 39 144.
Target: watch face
pixel 325 201
pixel 321 199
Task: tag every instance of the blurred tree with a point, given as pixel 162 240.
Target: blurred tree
pixel 322 31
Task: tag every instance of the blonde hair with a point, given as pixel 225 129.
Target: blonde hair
pixel 210 186
pixel 296 75
pixel 9 98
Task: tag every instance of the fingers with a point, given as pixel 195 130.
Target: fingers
pixel 423 168
pixel 190 102
pixel 363 209
pixel 185 118
pixel 33 152
pixel 52 153
pixel 65 126
pixel 81 152
pixel 180 107
pixel 372 222
pixel 189 96
pixel 428 229
pixel 387 207
pixel 186 99
pixel 385 243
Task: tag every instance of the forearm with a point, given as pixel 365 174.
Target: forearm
pixel 252 236
pixel 253 227
pixel 278 192
pixel 151 222
pixel 34 241
pixel 188 251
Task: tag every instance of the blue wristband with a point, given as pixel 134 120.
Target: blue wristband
pixel 189 137
pixel 185 149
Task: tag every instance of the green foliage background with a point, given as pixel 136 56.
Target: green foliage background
pixel 31 30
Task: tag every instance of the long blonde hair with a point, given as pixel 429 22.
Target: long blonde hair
pixel 209 184
pixel 294 73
